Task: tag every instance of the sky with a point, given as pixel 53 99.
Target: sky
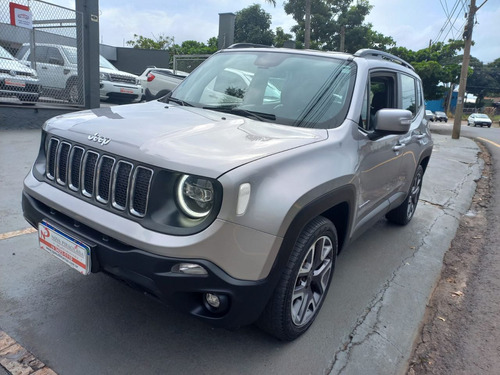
pixel 411 23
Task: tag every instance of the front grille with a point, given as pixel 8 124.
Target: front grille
pixel 123 78
pixel 16 73
pixel 117 184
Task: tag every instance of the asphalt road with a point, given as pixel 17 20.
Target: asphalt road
pixel 94 325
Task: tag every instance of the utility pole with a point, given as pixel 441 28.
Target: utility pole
pixel 342 38
pixel 463 73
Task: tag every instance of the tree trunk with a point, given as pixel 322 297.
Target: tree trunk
pixel 307 36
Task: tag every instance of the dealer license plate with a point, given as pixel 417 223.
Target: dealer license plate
pixel 14 83
pixel 63 246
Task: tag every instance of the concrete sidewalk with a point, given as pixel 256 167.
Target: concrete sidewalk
pixel 382 341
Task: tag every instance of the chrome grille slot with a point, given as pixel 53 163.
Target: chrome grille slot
pixel 104 178
pixel 88 176
pixel 75 168
pixel 121 183
pixel 51 158
pixel 62 164
pixel 140 191
pixel 117 184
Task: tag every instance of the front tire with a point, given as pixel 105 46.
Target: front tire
pixel 302 289
pixel 404 212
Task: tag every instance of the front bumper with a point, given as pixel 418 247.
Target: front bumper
pixel 153 273
pixel 120 90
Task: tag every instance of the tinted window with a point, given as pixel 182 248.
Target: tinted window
pixel 408 96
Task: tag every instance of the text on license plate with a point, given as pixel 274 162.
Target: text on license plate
pixel 68 249
pixel 11 82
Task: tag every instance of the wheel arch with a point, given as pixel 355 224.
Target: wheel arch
pixel 338 206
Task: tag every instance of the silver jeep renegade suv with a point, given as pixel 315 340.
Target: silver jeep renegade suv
pixel 231 197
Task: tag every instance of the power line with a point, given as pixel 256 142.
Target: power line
pixel 449 15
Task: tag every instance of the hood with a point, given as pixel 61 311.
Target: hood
pixel 15 65
pixel 184 139
pixel 112 71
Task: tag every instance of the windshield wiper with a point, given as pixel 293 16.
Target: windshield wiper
pixel 260 116
pixel 178 101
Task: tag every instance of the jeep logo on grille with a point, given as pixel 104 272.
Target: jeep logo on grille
pixel 99 139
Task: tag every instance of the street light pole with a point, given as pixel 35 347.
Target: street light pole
pixel 463 73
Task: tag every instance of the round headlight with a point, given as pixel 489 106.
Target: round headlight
pixel 195 196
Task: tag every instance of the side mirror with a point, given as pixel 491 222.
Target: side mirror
pixel 395 121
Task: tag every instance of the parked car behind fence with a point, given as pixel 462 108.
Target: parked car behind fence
pixel 17 80
pixel 158 82
pixel 57 67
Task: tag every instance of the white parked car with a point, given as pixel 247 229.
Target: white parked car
pixel 17 79
pixel 479 119
pixel 57 68
pixel 158 82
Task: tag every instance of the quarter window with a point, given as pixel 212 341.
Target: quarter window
pixel 408 94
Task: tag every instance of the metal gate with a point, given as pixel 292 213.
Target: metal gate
pixel 41 53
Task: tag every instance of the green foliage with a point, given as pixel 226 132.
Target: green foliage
pixel 327 19
pixel 253 25
pixel 192 47
pixel 281 37
pixel 484 80
pixel 161 42
pixel 435 64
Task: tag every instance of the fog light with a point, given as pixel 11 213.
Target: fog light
pixel 189 269
pixel 213 300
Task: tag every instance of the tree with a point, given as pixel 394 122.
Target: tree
pixel 436 65
pixel 161 42
pixel 253 25
pixel 192 47
pixel 329 17
pixel 281 37
pixel 484 80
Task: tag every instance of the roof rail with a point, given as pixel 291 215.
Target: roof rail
pixel 366 52
pixel 248 45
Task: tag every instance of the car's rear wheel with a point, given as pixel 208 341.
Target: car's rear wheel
pixel 304 284
pixel 404 212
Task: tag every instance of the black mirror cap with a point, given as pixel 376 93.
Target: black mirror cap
pixel 395 121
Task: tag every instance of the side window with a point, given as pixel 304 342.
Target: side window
pixel 54 56
pixel 420 99
pixel 408 94
pixel 40 54
pixel 380 94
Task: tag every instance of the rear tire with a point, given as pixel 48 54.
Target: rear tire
pixel 404 212
pixel 304 284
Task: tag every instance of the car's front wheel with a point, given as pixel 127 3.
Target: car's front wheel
pixel 302 289
pixel 404 212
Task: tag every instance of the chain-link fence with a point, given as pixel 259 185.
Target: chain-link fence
pixel 188 63
pixel 39 54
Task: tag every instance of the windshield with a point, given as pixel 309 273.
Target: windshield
pixel 481 115
pixel 286 88
pixel 4 54
pixel 103 63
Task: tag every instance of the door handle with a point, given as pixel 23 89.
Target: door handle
pixel 398 147
pixel 44 67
